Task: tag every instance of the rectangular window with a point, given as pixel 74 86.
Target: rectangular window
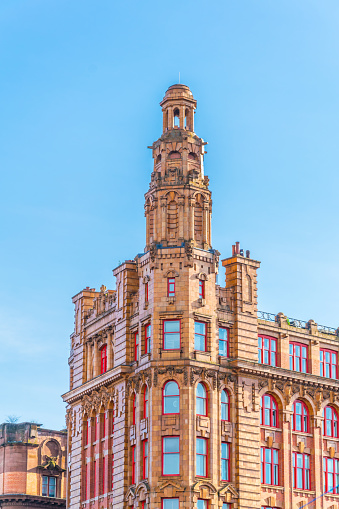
pixel 170 503
pixel 270 466
pixel 136 346
pixel 95 488
pixel 88 431
pixel 200 336
pixel 331 475
pixel 104 475
pixel 112 472
pixel 328 363
pixel 145 459
pixel 201 457
pixel 201 289
pixel 48 486
pixel 170 456
pixel 267 350
pixel 87 480
pixel 226 506
pixel 171 335
pixel 225 461
pixel 146 292
pixel 298 357
pixel 301 471
pixel 148 333
pixel 202 504
pixel 133 463
pixel 103 359
pixel 171 287
pixel 97 428
pixel 223 341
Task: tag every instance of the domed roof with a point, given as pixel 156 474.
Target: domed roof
pixel 178 91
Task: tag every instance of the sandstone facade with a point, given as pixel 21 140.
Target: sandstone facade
pixel 169 321
pixel 32 466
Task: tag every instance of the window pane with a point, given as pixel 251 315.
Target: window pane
pixel 201 406
pixel 171 405
pixel 201 446
pixel 171 444
pixel 199 342
pixel 171 464
pixel 199 327
pixel 172 341
pixel 201 465
pixel 44 485
pixel 222 334
pixel 170 503
pixel 202 504
pixel 223 348
pixel 171 389
pixel 201 391
pixel 172 326
pixel 52 485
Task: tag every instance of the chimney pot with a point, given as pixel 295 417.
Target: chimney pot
pixel 247 253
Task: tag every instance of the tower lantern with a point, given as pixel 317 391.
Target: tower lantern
pixel 178 108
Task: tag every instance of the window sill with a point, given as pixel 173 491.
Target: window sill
pixel 272 487
pixel 298 491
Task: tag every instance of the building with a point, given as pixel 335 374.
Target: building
pixel 183 394
pixel 32 466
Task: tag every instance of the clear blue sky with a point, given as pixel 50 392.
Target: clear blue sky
pixel 80 87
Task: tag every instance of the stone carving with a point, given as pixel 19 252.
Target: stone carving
pixel 96 400
pixel 189 249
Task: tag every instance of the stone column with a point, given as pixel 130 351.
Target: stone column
pixel 110 358
pixel 182 117
pixel 191 218
pixel 95 359
pixel 89 361
pixel 147 224
pixel 181 203
pixel 163 219
pixel 286 457
pixel 205 226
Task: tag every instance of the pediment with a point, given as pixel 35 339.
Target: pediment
pixel 204 485
pixel 143 485
pixel 171 484
pixel 130 495
pixel 229 488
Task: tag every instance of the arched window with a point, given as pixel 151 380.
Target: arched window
pixel 192 156
pixel 146 402
pixel 176 119
pixel 300 417
pixel 201 400
pixel 330 423
pixel 186 118
pixel 225 406
pixel 103 355
pixel 174 155
pixel 170 398
pixel 158 160
pixel 133 410
pixel 269 411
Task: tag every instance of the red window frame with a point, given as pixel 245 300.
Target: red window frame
pixel 201 288
pixel 112 472
pixel 95 487
pixel 225 461
pixel 97 428
pixel 170 396
pixel 104 425
pixel 87 481
pixel 171 287
pixel 136 346
pixel 205 398
pixel 103 366
pixel 271 467
pixel 267 350
pixel 328 369
pixel 103 475
pixel 225 406
pixel 305 471
pixel 205 456
pixel 331 486
pixel 88 431
pixel 145 459
pixel 224 342
pixel 133 410
pixel 164 334
pixel 133 458
pixel 300 360
pixel 168 498
pixel 201 335
pixel 146 404
pixel 205 505
pixel 272 414
pixel 148 334
pixel 330 423
pixel 165 453
pixel 146 291
pixel 304 417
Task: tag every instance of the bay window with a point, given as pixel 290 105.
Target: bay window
pixel 200 337
pixel 270 466
pixel 171 335
pixel 301 471
pixel 201 457
pixel 170 456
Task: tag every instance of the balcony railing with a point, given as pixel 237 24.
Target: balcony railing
pixel 294 322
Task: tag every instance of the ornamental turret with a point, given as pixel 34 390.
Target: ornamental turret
pixel 178 205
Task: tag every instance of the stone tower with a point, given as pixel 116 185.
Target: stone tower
pixel 169 370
